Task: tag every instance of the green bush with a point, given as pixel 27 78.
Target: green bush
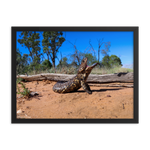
pixel 46 64
pixel 111 61
pixel 25 93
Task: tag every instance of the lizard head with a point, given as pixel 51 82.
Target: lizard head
pixel 84 68
pixel 83 65
pixel 89 68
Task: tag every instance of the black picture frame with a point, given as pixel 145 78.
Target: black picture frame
pixel 14 29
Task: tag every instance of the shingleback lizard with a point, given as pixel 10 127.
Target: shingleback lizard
pixel 78 81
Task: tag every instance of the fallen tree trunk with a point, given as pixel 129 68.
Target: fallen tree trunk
pixel 113 85
pixel 108 78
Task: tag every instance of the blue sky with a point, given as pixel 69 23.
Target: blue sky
pixel 121 44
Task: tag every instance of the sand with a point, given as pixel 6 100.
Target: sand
pixel 103 103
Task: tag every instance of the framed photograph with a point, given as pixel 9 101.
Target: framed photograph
pixel 74 75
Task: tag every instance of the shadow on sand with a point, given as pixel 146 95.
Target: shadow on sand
pixel 100 90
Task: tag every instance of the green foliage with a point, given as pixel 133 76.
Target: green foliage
pixel 30 62
pixel 46 64
pixel 21 62
pixel 25 93
pixel 36 63
pixel 19 80
pixel 91 59
pixel 63 62
pixel 111 61
pixel 106 61
pixel 115 61
pixel 31 41
pixel 52 41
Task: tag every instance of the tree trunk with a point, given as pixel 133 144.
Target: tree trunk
pixel 128 85
pixel 98 55
pixel 53 63
pixel 53 59
pixel 108 78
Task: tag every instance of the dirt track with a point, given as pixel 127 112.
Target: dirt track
pixel 104 102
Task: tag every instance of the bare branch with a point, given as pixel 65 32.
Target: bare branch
pixel 100 43
pixel 106 48
pixel 92 49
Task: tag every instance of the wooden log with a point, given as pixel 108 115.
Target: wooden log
pixel 113 85
pixel 108 78
pixel 111 78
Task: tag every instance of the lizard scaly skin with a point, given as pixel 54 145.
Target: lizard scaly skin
pixel 78 81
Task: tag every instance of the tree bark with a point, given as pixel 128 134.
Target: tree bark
pixel 128 85
pixel 108 78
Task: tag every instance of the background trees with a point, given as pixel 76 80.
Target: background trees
pixel 31 41
pixel 52 41
pixel 91 59
pixel 46 64
pixel 21 62
pixel 111 61
pixel 103 50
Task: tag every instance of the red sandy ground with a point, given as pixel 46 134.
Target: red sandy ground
pixel 104 102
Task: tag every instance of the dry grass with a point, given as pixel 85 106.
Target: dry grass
pixel 111 70
pixel 72 70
